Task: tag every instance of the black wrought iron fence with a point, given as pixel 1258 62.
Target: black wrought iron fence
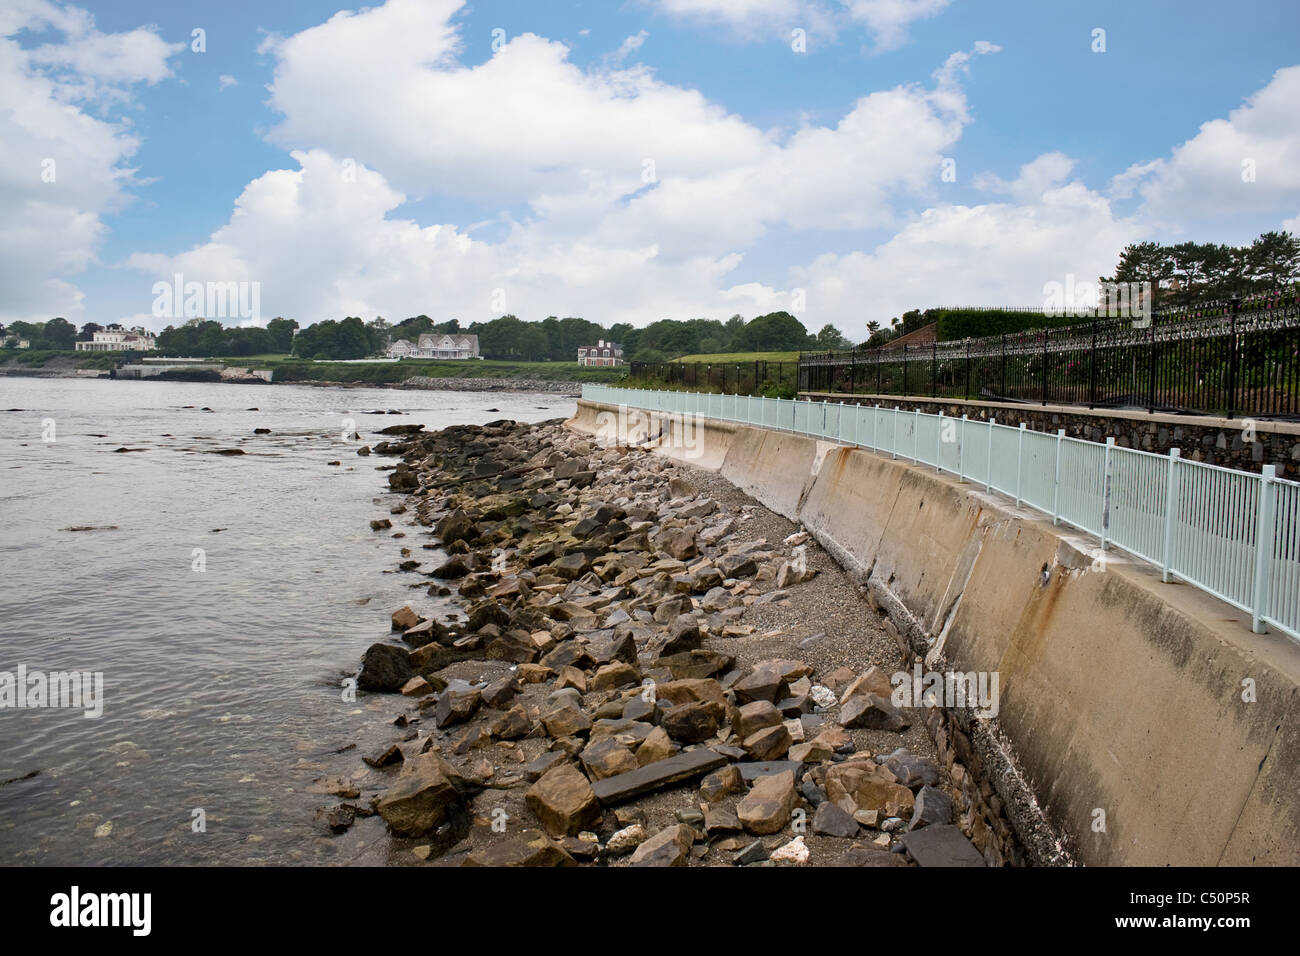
pixel 757 377
pixel 1227 357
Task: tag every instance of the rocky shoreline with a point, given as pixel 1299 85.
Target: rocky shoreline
pixel 424 383
pixel 647 668
pixel 491 385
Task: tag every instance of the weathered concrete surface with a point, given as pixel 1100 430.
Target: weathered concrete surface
pixel 1118 693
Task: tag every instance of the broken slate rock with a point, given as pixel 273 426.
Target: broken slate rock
pixel 658 775
pixel 668 847
pixel 831 820
pixel 769 803
pixel 933 808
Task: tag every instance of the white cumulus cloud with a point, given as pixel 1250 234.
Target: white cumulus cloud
pixel 62 169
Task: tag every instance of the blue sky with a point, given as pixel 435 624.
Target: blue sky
pixel 514 175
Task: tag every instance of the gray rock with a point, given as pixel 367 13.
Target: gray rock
pixel 933 808
pixel 831 820
pixel 754 853
pixel 656 776
pixel 385 668
pixel 941 846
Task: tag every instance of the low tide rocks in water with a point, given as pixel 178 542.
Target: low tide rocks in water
pixel 607 693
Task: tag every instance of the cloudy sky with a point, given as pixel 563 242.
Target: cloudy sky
pixel 628 161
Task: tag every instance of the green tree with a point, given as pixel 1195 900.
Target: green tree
pixel 830 339
pixel 532 344
pixel 774 332
pixel 499 339
pixel 280 331
pixel 59 334
pixel 1274 259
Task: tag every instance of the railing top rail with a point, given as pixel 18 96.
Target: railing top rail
pixel 1220 468
pixel 1125 449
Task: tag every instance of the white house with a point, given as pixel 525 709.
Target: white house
pixel 602 353
pixel 114 338
pixel 435 345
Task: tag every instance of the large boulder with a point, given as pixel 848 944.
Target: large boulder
pixel 527 848
pixel 562 799
pixel 606 757
pixel 677 543
pixel 692 722
pixel 769 803
pixel 668 847
pixel 755 716
pixel 422 798
pixel 404 618
pixel 456 526
pixel 871 712
pixel 385 668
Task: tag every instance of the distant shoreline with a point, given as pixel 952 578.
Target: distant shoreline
pixel 415 383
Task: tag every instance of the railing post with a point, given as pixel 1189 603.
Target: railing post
pixel 1263 548
pixel 1105 492
pixel 1232 358
pixel 1002 391
pixel 875 427
pixel 1092 368
pixel 1151 372
pixel 1056 487
pixel 961 450
pixel 1171 502
pixel 893 451
pixel 988 470
pixel 916 437
pixel 1044 366
pixel 938 443
pixel 1020 461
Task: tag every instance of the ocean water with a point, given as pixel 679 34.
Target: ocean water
pixel 224 599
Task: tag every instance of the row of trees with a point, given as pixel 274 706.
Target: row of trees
pixel 207 338
pixel 1181 274
pixel 508 337
pixel 1192 271
pixel 554 339
pixel 55 334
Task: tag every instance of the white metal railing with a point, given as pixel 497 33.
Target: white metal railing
pixel 1233 534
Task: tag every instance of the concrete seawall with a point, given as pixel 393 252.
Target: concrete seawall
pixel 1139 723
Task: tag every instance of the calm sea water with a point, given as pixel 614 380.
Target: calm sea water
pixel 221 685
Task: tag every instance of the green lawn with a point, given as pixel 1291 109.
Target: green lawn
pixel 724 357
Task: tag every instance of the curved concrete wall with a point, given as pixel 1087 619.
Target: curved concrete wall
pixel 1150 708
